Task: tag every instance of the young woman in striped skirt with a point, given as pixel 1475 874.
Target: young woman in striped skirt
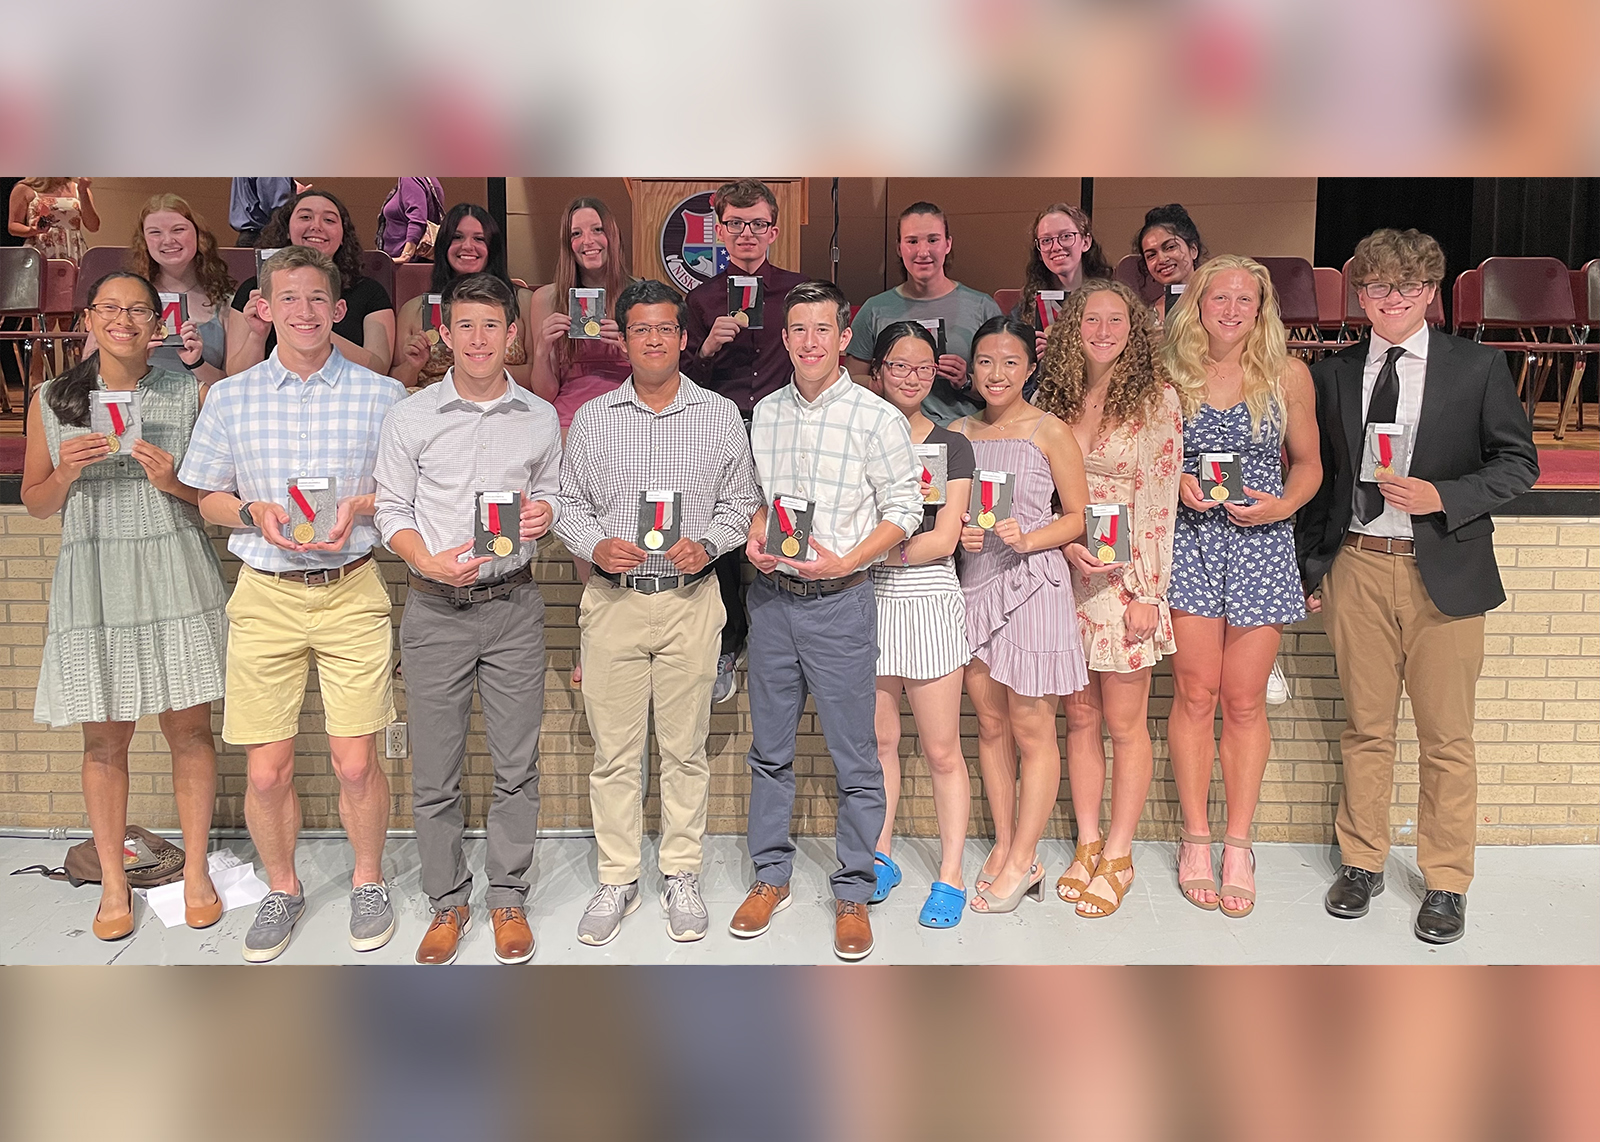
pixel 922 639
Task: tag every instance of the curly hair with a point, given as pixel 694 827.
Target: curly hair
pixel 1186 350
pixel 1038 275
pixel 275 234
pixel 209 268
pixel 1137 376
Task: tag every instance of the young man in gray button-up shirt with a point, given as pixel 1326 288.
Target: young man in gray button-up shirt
pixel 472 618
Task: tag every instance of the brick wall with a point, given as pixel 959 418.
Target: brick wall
pixel 1538 701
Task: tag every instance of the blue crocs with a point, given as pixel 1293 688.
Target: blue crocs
pixel 943 907
pixel 889 875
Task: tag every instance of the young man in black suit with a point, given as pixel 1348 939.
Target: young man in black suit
pixel 1422 438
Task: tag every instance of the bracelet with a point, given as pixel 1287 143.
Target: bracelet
pixel 905 553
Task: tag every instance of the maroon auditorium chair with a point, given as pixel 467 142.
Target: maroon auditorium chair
pixel 1529 295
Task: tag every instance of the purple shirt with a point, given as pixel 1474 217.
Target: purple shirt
pixel 411 205
pixel 755 363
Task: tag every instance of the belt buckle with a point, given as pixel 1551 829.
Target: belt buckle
pixel 322 582
pixel 478 593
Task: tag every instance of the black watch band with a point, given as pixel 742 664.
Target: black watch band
pixel 244 513
pixel 711 551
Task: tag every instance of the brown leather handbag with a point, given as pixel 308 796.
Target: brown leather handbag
pixel 148 860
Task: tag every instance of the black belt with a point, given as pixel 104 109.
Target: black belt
pixel 653 584
pixel 475 593
pixel 814 588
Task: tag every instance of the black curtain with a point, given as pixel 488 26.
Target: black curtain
pixel 1536 217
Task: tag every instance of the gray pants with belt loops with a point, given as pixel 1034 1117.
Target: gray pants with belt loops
pixel 827 647
pixel 499 646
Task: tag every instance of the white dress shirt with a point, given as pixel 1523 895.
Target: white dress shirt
pixel 1411 369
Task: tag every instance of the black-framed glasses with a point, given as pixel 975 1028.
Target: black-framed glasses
pixel 1377 291
pixel 1050 241
pixel 108 311
pixel 900 370
pixel 756 226
pixel 666 329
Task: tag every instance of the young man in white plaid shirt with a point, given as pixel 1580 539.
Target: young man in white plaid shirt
pixel 303 412
pixel 813 621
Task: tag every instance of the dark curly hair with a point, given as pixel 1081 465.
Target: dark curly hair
pixel 1137 377
pixel 347 257
pixel 1173 218
pixel 1038 275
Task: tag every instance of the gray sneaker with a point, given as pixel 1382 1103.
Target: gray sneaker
pixel 274 923
pixel 603 917
pixel 371 917
pixel 686 910
pixel 726 684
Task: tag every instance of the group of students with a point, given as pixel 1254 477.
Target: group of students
pixel 926 512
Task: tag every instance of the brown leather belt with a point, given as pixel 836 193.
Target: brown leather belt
pixel 463 597
pixel 814 588
pixel 1382 544
pixel 322 578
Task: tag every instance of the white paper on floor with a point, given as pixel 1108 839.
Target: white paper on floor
pixel 234 880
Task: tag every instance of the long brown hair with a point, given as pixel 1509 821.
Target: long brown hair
pixel 1137 376
pixel 275 235
pixel 566 278
pixel 1038 275
pixel 209 268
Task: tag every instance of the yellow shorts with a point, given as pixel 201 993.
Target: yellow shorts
pixel 274 630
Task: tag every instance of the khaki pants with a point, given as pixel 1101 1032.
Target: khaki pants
pixel 1385 631
pixel 637 648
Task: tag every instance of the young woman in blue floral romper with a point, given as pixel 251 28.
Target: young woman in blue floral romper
pixel 1234 578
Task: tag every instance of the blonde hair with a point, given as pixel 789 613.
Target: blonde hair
pixel 1137 377
pixel 1186 349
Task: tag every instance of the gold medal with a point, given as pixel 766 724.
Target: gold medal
pixel 1106 554
pixel 1383 470
pixel 304 533
pixel 501 546
pixel 1219 492
pixel 653 539
pixel 112 443
pixel 930 495
pixel 986 519
pixel 742 318
pixel 433 336
pixel 591 327
pixel 791 546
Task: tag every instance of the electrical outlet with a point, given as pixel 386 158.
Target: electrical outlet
pixel 395 740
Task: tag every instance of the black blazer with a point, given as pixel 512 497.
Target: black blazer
pixel 1473 443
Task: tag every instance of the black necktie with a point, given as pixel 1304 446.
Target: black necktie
pixel 1381 409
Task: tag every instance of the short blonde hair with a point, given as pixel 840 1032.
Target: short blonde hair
pixel 1397 256
pixel 1185 352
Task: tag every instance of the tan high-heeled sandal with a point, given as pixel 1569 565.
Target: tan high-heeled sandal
pixel 1198 883
pixel 1085 855
pixel 1246 894
pixel 1108 870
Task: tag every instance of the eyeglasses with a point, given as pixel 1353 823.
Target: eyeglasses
pixel 900 370
pixel 756 226
pixel 1377 291
pixel 106 311
pixel 666 329
pixel 1049 241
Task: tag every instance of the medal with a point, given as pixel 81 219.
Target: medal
pixel 791 542
pixel 1219 491
pixel 932 493
pixel 432 336
pixel 501 545
pixel 742 318
pixel 1106 532
pixel 986 493
pixel 592 327
pixel 1385 466
pixel 303 532
pixel 747 300
pixel 118 427
pixel 653 539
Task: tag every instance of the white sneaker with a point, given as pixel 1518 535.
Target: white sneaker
pixel 1277 685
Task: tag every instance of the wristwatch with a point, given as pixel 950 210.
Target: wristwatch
pixel 711 551
pixel 244 513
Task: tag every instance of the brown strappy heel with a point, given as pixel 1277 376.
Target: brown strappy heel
pixel 1199 883
pixel 1245 894
pixel 1108 870
pixel 1085 855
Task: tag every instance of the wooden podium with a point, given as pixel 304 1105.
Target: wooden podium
pixel 678 211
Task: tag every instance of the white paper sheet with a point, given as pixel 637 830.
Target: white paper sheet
pixel 234 880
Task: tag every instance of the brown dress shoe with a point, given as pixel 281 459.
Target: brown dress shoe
pixel 755 914
pixel 513 939
pixel 443 937
pixel 852 933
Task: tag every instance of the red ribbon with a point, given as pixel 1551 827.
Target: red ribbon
pixel 748 298
pixel 1107 530
pixel 927 476
pixel 784 522
pixel 1385 449
pixel 1045 314
pixel 1216 471
pixel 987 495
pixel 114 408
pixel 305 505
pixel 494 518
pixel 436 316
pixel 661 514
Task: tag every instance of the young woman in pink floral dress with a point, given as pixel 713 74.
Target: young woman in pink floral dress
pixel 1100 376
